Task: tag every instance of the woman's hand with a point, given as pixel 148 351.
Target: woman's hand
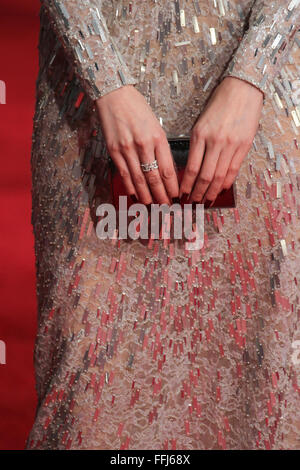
pixel 133 136
pixel 221 137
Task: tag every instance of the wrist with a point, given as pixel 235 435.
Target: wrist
pixel 253 88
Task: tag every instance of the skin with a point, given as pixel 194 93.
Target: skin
pixel 220 139
pixel 133 135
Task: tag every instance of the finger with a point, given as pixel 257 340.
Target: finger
pixel 137 176
pixel 195 157
pixel 123 169
pixel 153 177
pixel 166 168
pixel 223 164
pixel 207 171
pixel 234 166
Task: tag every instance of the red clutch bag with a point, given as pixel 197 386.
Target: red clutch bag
pixel 179 148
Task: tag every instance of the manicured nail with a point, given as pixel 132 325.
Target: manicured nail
pixel 184 198
pixel 194 204
pixel 207 203
pixel 133 197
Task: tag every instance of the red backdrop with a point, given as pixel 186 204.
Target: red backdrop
pixel 19 23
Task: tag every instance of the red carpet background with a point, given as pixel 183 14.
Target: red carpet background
pixel 18 69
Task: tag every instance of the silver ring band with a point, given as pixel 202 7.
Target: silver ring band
pixel 149 166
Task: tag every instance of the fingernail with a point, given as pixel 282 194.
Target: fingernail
pixel 133 197
pixel 194 204
pixel 207 203
pixel 184 198
pixel 175 200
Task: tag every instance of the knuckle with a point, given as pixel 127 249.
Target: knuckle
pixel 205 180
pixel 112 147
pixel 167 173
pixel 139 142
pixel 233 140
pixel 139 179
pixel 142 142
pixel 191 171
pixel 218 178
pixel 158 136
pixel 124 173
pixel 197 134
pixel 126 144
pixel 219 139
pixel 153 179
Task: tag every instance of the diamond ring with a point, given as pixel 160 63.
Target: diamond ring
pixel 149 166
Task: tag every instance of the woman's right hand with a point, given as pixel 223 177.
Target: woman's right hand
pixel 133 136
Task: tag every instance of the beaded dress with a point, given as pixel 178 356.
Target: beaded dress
pixel 153 346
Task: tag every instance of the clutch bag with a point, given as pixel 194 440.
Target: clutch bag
pixel 179 146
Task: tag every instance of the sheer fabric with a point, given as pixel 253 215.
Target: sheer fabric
pixel 154 346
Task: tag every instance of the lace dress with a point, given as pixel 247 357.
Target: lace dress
pixel 153 346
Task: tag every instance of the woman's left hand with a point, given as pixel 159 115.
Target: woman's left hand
pixel 222 136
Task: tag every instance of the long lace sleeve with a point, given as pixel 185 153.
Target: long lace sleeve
pixel 265 47
pixel 83 31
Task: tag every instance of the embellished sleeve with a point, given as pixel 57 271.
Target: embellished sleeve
pixel 82 29
pixel 267 42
